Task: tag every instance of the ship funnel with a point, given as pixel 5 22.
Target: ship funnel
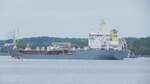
pixel 114 35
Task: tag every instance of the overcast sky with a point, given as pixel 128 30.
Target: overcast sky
pixel 74 18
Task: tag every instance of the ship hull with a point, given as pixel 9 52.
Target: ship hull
pixel 87 54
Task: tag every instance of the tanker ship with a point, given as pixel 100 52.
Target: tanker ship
pixel 102 45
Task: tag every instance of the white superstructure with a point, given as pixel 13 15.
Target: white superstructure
pixel 105 40
pixel 98 40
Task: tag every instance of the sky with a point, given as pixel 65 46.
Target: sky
pixel 73 18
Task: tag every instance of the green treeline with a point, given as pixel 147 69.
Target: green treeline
pixel 137 45
pixel 45 41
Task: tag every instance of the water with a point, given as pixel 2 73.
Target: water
pixel 128 71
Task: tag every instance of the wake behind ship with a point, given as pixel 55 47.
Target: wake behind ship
pixel 102 45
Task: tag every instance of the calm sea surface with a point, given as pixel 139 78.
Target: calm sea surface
pixel 128 71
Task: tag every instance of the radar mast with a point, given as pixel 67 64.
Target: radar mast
pixel 103 27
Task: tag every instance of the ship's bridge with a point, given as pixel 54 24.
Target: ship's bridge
pixel 98 40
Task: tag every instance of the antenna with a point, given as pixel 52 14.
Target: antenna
pixel 15 40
